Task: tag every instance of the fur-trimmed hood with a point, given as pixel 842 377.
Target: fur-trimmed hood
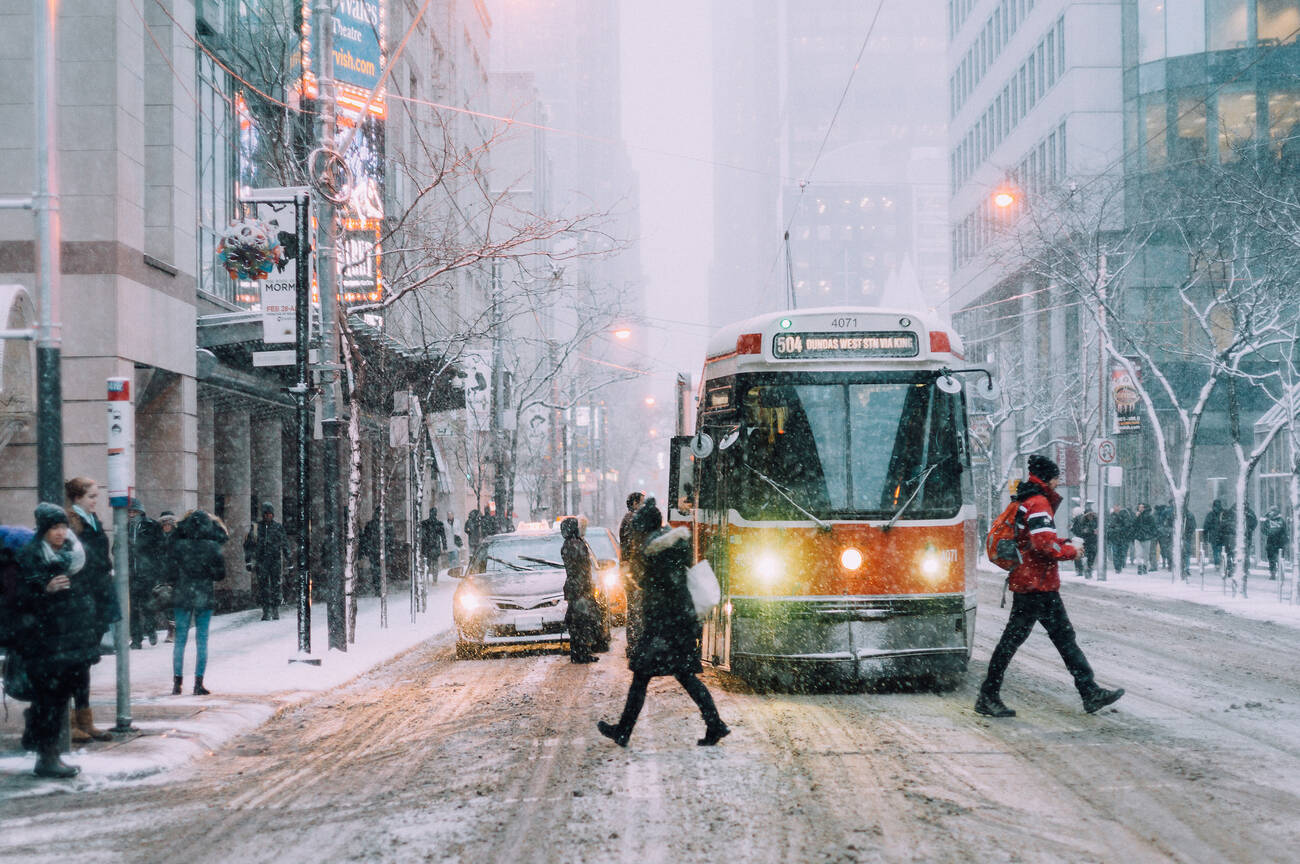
pixel 666 540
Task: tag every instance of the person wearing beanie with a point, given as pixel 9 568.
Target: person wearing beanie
pixel 1035 584
pixel 58 637
pixel 630 541
pixel 266 549
pixel 145 552
pixel 670 642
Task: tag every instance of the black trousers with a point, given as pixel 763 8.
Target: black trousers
pixel 52 688
pixel 144 618
pixel 269 591
pixel 1028 609
pixel 694 687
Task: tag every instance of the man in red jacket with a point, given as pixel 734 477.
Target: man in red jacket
pixel 1036 585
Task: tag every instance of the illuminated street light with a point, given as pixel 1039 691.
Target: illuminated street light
pixel 1003 198
pixel 650 400
pixel 622 333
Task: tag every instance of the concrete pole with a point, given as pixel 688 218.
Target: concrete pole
pixel 49 383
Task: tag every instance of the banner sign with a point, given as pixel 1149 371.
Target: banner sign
pixel 278 293
pixel 1124 389
pixel 821 346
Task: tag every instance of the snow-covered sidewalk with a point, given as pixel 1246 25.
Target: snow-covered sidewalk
pixel 1262 604
pixel 250 678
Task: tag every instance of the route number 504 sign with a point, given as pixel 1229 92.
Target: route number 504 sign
pixel 1106 451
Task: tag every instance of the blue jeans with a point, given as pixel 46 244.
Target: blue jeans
pixel 202 617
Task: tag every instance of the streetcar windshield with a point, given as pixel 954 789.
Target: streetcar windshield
pixel 847 450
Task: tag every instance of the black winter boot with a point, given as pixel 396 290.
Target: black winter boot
pixel 613 733
pixel 990 705
pixel 176 685
pixel 48 764
pixel 199 689
pixel 713 733
pixel 1099 698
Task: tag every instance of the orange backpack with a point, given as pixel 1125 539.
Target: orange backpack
pixel 1000 545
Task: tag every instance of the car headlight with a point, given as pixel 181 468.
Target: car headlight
pixel 469 601
pixel 851 559
pixel 611 580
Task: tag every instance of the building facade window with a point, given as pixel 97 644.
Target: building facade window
pixel 1155 124
pixel 1227 24
pixel 1236 109
pixel 1191 128
pixel 1151 30
pixel 1184 27
pixel 1278 21
pixel 1284 121
pixel 215 153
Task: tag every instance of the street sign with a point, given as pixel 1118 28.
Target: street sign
pixel 280 358
pixel 1114 475
pixel 1106 451
pixel 121 442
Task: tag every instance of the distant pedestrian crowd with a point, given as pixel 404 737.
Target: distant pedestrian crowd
pixel 1145 538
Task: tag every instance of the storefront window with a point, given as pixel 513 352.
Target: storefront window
pixel 1154 133
pixel 1151 30
pixel 1236 123
pixel 1189 133
pixel 1185 27
pixel 1284 121
pixel 1227 20
pixel 1279 20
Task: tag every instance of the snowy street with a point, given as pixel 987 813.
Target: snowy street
pixel 429 758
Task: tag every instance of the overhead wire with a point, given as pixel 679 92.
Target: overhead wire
pixel 807 178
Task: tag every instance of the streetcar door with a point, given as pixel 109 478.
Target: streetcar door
pixel 681 481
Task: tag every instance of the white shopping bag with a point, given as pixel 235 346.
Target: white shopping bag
pixel 703 585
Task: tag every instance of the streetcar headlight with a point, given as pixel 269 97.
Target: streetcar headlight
pixel 851 559
pixel 611 580
pixel 469 600
pixel 768 567
pixel 931 565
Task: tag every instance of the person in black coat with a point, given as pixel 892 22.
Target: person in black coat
pixel 145 540
pixel 670 641
pixel 266 548
pixel 433 542
pixel 197 563
pixel 83 496
pixel 57 634
pixel 1119 535
pixel 1276 533
pixel 630 542
pixel 1212 531
pixel 583 618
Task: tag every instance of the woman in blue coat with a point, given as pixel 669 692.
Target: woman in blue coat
pixel 670 639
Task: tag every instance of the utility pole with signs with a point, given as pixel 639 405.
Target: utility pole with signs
pixel 121 486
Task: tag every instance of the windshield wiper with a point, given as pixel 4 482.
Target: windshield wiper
pixel 919 479
pixel 509 564
pixel 539 561
pixel 825 526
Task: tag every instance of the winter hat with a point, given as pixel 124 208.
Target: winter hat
pixel 568 527
pixel 268 507
pixel 648 518
pixel 134 504
pixel 166 516
pixel 48 515
pixel 1043 468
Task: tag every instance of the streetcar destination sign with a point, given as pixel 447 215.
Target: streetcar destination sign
pixel 799 346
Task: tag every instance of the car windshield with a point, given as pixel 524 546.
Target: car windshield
pixel 846 450
pixel 511 553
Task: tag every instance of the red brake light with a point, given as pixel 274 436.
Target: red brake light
pixel 749 343
pixel 939 343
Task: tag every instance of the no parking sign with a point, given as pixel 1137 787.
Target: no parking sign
pixel 1106 451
